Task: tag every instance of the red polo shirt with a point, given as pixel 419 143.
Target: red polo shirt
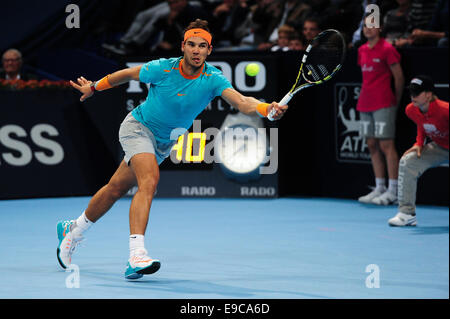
pixel 376 92
pixel 433 124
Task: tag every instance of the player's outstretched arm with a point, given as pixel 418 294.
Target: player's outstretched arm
pixel 250 105
pixel 87 88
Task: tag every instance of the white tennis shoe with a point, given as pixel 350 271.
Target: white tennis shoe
pixel 141 264
pixel 402 219
pixel 387 198
pixel 367 199
pixel 67 242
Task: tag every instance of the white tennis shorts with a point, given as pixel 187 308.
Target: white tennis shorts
pixel 136 138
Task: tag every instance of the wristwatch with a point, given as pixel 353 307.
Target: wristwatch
pixel 93 86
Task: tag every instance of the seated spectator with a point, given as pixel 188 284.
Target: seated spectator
pixel 318 6
pixel 246 31
pixel 297 42
pixel 227 16
pixel 271 14
pixel 421 13
pixel 117 15
pixel 418 16
pixel 181 14
pixel 396 24
pixel 437 31
pixel 285 33
pixel 342 15
pixel 12 67
pixel 311 28
pixel 141 30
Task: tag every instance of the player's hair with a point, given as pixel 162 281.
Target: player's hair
pixel 198 23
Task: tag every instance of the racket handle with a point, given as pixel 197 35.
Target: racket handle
pixel 284 101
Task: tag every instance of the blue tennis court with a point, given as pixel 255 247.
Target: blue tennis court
pixel 225 248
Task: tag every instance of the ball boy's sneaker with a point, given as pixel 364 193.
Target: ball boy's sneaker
pixel 402 219
pixel 367 199
pixel 387 198
pixel 67 242
pixel 140 264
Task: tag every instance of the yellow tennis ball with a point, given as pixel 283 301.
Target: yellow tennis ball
pixel 252 69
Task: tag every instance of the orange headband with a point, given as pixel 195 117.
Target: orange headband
pixel 198 33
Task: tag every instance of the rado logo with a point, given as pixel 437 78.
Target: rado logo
pixel 198 191
pixel 257 191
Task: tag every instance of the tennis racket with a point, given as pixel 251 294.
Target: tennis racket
pixel 323 58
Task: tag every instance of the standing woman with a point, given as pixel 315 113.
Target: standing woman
pixel 377 106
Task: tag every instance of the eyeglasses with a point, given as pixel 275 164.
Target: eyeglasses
pixel 11 60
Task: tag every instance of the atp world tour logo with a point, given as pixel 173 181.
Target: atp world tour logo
pixel 350 145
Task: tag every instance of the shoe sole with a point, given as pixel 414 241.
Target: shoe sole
pixel 133 276
pixel 59 260
pixel 410 225
pixel 154 267
pixel 59 230
pixel 385 203
pixel 365 202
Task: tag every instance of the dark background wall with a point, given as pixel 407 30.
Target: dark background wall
pixel 308 164
pixel 307 134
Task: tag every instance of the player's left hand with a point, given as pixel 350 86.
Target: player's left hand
pixel 280 110
pixel 84 86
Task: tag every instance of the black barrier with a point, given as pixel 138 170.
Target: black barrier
pixel 319 153
pixel 49 146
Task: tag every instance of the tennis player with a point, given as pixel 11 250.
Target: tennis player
pixel 180 88
pixel 431 117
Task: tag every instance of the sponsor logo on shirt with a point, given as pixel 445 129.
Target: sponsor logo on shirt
pixel 432 131
pixel 366 68
pixel 429 128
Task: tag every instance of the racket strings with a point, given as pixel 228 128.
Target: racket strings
pixel 326 55
pixel 323 58
pixel 313 72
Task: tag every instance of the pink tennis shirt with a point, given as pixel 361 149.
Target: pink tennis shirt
pixel 376 92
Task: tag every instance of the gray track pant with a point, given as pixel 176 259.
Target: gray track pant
pixel 411 168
